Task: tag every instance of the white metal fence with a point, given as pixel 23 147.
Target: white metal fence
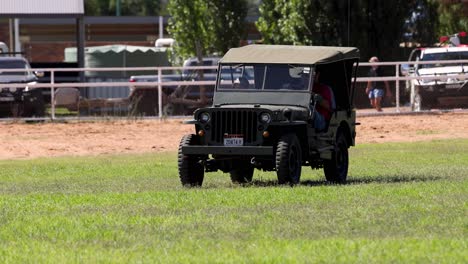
pixel 159 84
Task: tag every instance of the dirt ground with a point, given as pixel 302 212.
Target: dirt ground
pixel 25 141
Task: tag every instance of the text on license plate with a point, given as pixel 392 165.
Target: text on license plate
pixel 233 140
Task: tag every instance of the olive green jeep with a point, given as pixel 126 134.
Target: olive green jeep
pixel 263 115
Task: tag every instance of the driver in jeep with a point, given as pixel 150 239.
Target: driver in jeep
pixel 323 98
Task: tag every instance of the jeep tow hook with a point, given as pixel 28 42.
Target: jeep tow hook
pixel 211 166
pixel 255 163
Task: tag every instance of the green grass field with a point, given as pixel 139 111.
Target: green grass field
pixel 405 203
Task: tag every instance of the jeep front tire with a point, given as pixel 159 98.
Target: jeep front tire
pixel 288 159
pixel 191 171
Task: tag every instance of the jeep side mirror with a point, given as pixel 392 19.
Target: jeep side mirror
pixel 406 69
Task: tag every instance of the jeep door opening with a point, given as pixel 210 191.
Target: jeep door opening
pixel 263 113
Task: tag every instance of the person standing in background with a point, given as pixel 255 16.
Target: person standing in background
pixel 375 89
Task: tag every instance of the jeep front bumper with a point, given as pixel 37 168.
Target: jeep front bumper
pixel 222 150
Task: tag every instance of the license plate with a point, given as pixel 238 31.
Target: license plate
pixel 233 140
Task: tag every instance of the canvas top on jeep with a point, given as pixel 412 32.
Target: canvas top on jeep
pixel 281 54
pixel 282 75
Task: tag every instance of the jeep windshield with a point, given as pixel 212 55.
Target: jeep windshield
pixel 460 55
pixel 264 77
pixel 14 64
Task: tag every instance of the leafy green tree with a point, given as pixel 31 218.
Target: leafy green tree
pixel 228 23
pixel 193 31
pixel 203 27
pixel 453 16
pixel 269 21
pixel 191 27
pixel 301 22
pixel 376 27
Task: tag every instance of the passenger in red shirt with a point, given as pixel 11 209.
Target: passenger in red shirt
pixel 323 103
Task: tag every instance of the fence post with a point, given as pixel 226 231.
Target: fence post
pixel 397 87
pixel 412 95
pixel 159 93
pixel 52 94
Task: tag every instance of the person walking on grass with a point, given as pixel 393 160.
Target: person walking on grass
pixel 375 89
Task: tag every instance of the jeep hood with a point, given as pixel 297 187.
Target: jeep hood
pixel 286 98
pixel 264 106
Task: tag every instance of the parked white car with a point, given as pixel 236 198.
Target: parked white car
pixel 23 101
pixel 448 88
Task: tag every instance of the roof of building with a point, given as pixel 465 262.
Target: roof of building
pixel 43 8
pixel 289 54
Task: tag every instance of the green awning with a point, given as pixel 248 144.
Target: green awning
pixel 120 56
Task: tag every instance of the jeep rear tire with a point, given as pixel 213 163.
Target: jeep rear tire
pixel 191 171
pixel 288 159
pixel 243 174
pixel 336 169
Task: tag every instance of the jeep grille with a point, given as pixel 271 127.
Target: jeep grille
pixel 234 122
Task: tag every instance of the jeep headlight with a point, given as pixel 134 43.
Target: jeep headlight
pixel 265 118
pixel 204 117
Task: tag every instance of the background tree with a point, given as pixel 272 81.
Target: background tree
pixel 376 27
pixel 229 23
pixel 203 27
pixel 383 27
pixel 299 22
pixel 268 23
pixel 191 27
pixel 422 24
pixel 453 16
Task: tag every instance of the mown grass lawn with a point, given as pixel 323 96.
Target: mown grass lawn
pixel 406 202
